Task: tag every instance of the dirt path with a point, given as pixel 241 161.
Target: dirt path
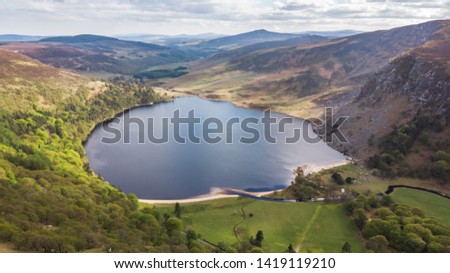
pixel 243 219
pixel 7 248
pixel 307 228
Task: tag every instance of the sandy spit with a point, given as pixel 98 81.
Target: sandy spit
pixel 219 193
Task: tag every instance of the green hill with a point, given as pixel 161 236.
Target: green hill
pixel 50 200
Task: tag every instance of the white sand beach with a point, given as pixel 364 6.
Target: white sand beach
pixel 315 168
pixel 219 193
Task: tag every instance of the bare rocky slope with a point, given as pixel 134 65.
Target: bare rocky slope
pixel 417 81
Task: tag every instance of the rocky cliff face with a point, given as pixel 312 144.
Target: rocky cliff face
pixel 408 84
pixel 425 83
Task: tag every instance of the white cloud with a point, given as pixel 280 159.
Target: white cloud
pixel 52 17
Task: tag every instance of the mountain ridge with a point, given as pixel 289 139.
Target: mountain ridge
pixel 247 38
pixel 315 75
pixel 20 38
pixel 99 54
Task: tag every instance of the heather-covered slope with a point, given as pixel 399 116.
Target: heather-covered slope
pixel 98 54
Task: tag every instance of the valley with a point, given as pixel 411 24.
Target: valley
pixel 394 85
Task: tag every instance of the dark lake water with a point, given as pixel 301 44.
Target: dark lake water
pixel 173 170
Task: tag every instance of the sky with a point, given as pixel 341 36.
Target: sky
pixel 118 17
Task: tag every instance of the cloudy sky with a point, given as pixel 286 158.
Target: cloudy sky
pixel 109 17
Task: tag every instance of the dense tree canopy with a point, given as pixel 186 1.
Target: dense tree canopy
pixel 51 201
pixel 393 227
pixel 425 131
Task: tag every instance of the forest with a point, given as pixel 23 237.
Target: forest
pixel 50 200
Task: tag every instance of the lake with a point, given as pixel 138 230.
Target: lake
pixel 175 170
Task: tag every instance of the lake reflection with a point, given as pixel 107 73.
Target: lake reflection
pixel 173 170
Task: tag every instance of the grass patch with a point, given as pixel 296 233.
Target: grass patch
pixel 330 230
pixel 432 204
pixel 213 220
pixel 282 223
pixel 163 73
pixel 319 227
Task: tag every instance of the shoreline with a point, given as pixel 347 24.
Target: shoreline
pixel 218 193
pixel 315 168
pixel 200 198
pixel 158 90
pixel 168 96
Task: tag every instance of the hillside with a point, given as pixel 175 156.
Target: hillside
pixel 409 84
pixel 346 58
pixel 403 109
pixel 245 50
pixel 92 53
pixel 25 82
pixel 209 47
pixel 301 80
pixel 418 80
pixel 50 200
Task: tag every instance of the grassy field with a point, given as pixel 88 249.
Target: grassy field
pixel 309 227
pixel 432 204
pixel 330 230
pixel 213 220
pixel 282 223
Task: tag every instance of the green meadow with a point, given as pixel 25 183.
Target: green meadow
pixel 309 227
pixel 433 205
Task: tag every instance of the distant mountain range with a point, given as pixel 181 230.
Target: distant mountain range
pixel 167 40
pixel 19 38
pixel 226 43
pixel 128 55
pixel 183 39
pixel 341 61
pixel 246 50
pixel 333 34
pixel 93 53
pixel 248 38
